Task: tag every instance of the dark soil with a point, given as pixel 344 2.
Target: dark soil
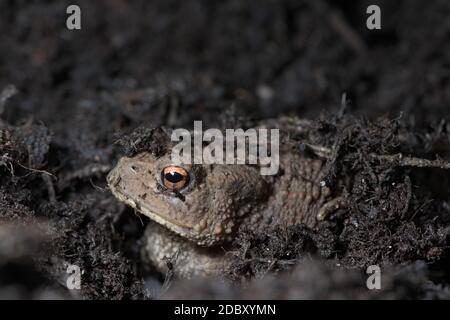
pixel 71 103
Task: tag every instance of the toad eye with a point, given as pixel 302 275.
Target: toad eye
pixel 174 178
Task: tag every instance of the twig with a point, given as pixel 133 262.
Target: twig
pixel 170 273
pixel 50 187
pixel 349 35
pixel 8 92
pixel 320 151
pixel 396 159
pixel 338 23
pixel 35 170
pixel 400 160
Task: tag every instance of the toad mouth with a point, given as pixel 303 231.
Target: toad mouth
pixel 163 219
pixel 175 226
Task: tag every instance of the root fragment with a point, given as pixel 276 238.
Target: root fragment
pixel 398 159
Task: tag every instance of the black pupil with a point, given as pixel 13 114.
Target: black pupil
pixel 173 177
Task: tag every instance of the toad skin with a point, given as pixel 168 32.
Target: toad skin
pixel 193 226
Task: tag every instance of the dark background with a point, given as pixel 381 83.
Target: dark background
pixel 140 63
pixel 294 48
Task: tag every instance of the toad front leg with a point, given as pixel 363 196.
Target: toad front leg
pixel 163 248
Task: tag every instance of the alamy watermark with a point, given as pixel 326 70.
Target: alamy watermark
pixel 73 21
pixel 252 146
pixel 73 281
pixel 374 20
pixel 373 282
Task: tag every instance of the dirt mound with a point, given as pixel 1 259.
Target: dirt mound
pixel 166 63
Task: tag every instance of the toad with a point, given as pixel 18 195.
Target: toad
pixel 196 210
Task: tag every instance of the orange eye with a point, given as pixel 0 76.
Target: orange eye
pixel 174 178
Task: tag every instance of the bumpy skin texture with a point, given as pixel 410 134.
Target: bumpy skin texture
pixel 220 201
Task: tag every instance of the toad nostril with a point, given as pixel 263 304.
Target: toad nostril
pixel 134 168
pixel 112 179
